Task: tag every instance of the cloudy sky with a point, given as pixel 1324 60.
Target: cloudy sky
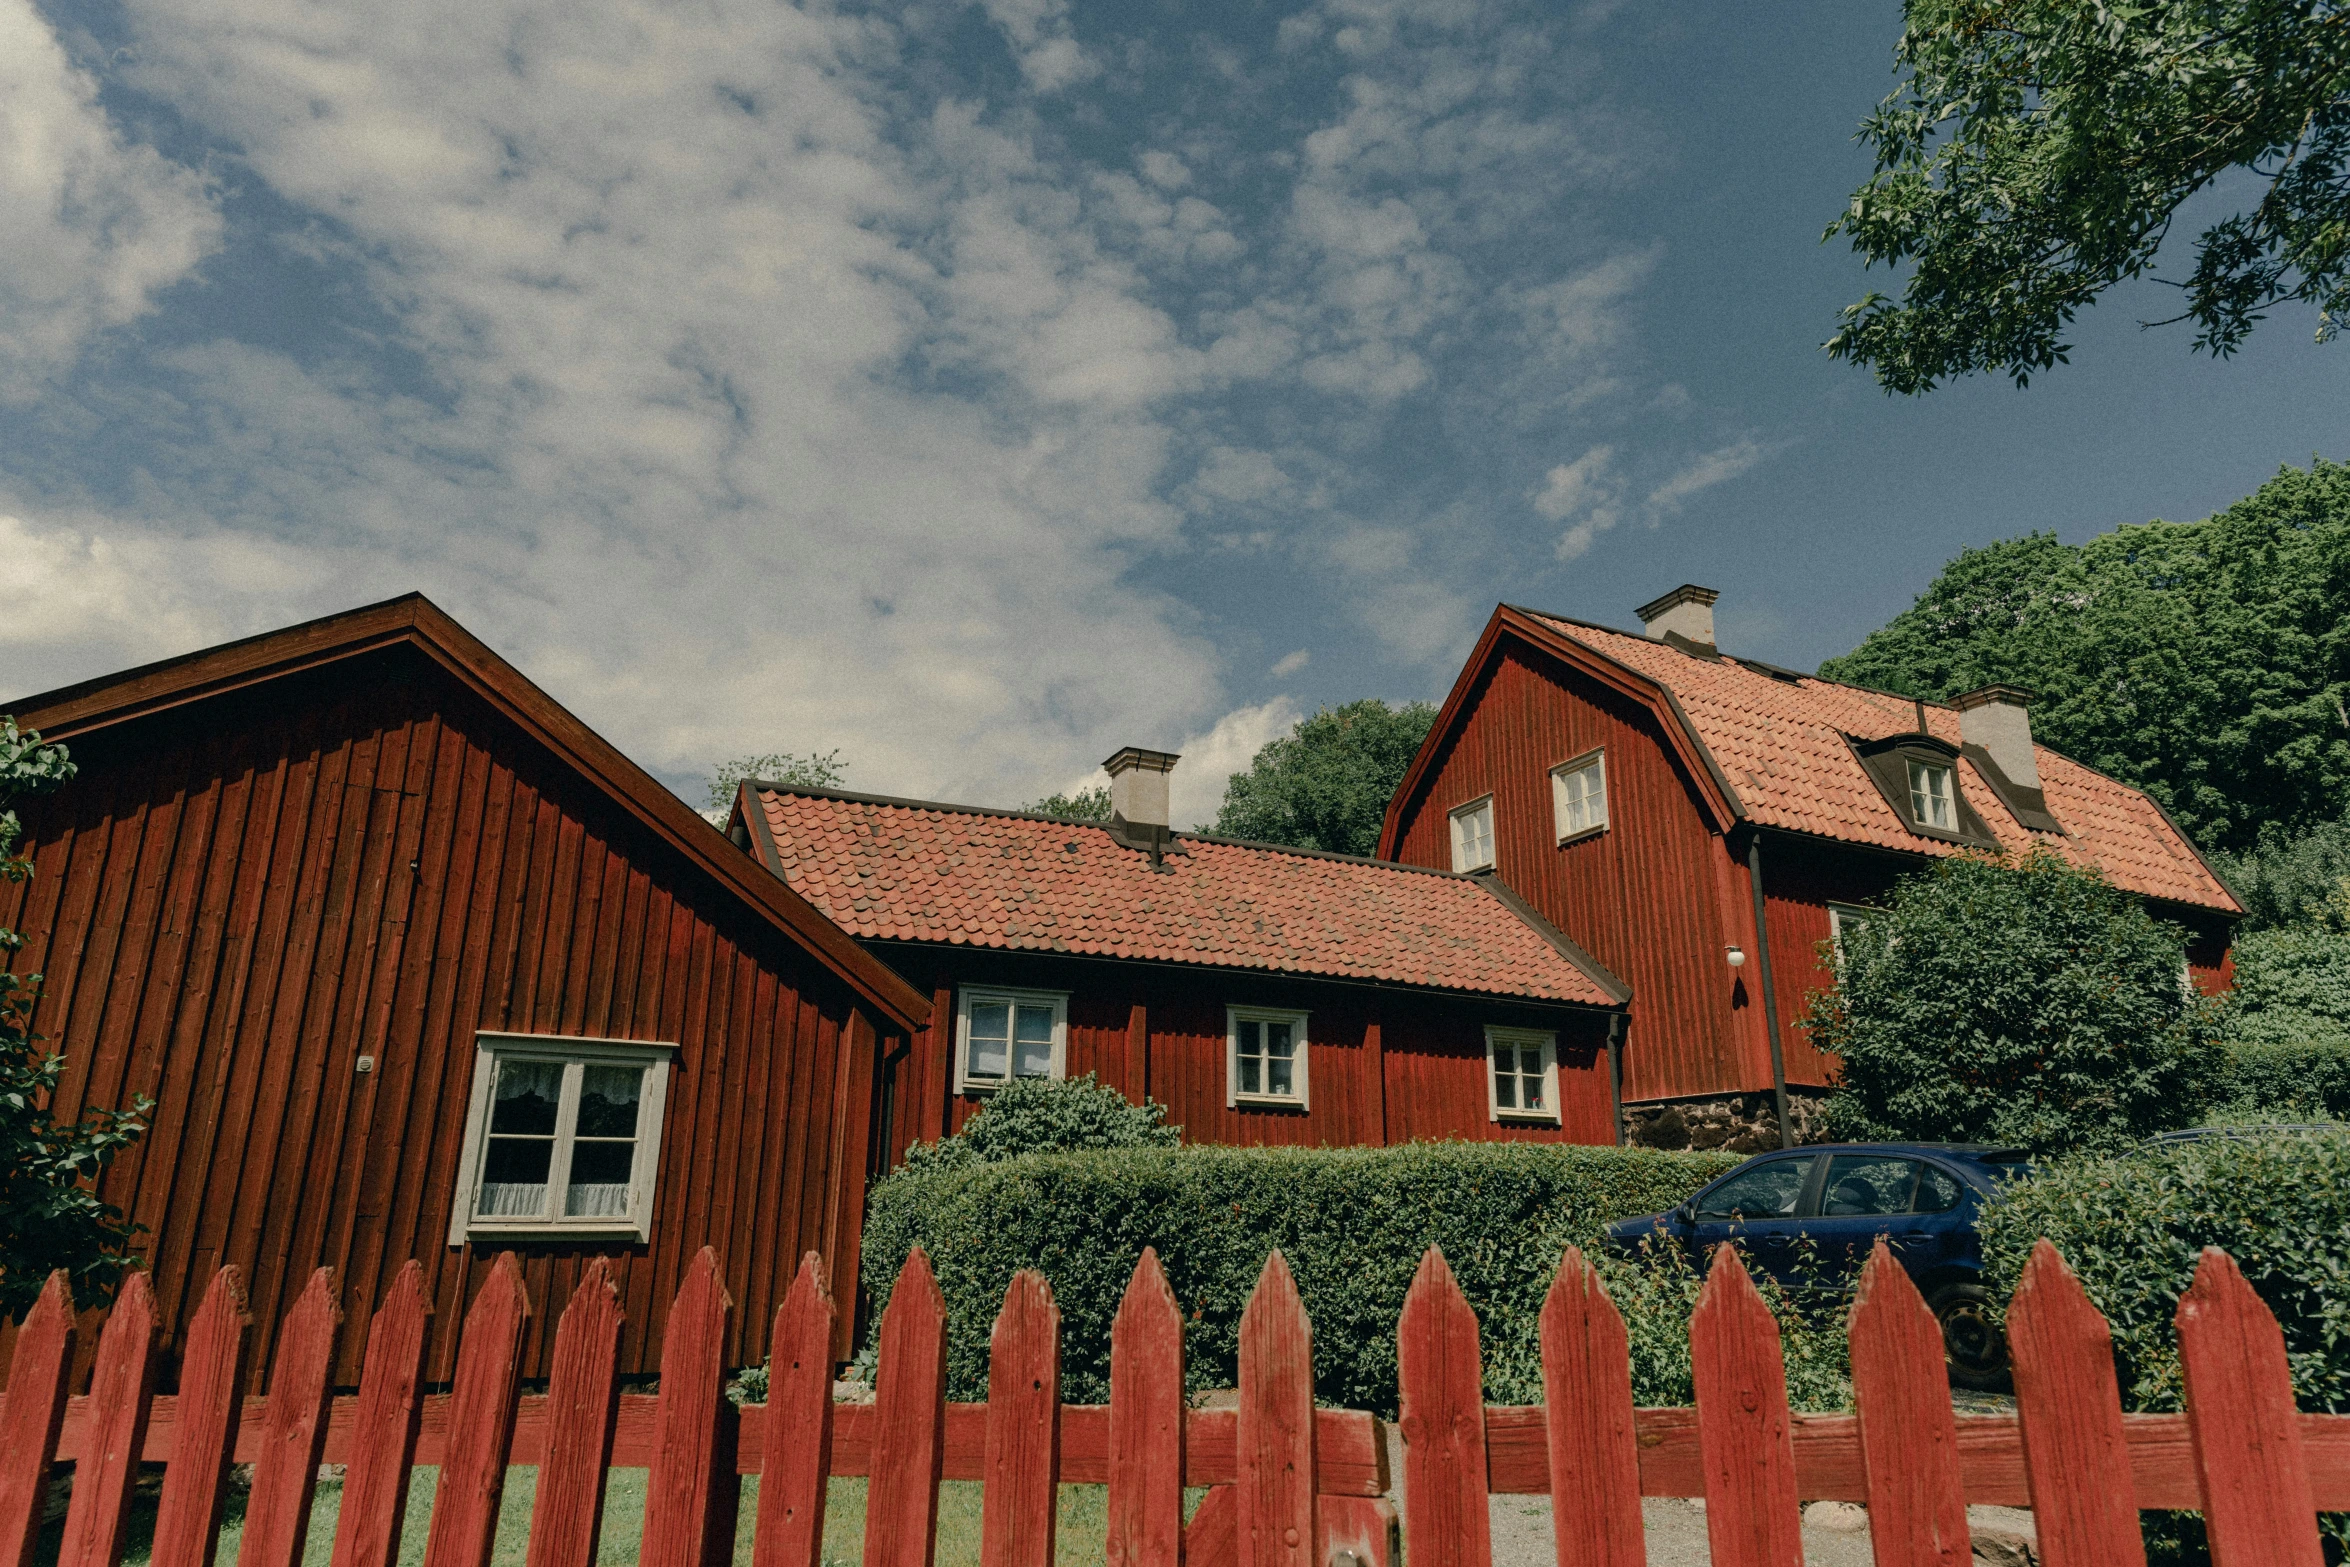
pixel 976 388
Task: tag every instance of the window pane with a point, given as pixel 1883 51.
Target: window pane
pixel 527 1094
pixel 1937 1190
pixel 1277 1079
pixel 991 1030
pixel 1277 1043
pixel 1768 1191
pixel 514 1177
pixel 599 1186
pixel 607 1100
pixel 1032 1047
pixel 1862 1184
pixel 1530 1066
pixel 1251 1075
pixel 1505 1081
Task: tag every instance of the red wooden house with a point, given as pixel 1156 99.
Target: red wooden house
pixel 1264 994
pixel 1704 824
pixel 416 965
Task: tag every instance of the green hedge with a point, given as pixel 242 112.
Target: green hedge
pixel 2305 1079
pixel 2133 1228
pixel 1352 1222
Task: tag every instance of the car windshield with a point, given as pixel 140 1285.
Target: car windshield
pixel 1767 1191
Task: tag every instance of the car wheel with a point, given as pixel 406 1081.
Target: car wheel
pixel 1971 1336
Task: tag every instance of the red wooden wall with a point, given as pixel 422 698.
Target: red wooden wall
pixel 236 899
pixel 1656 897
pixel 1385 1066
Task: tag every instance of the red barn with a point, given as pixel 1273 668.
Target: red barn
pixel 1264 994
pixel 1703 824
pixel 416 965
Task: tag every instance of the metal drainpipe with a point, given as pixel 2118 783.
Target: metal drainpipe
pixel 1615 1071
pixel 1762 953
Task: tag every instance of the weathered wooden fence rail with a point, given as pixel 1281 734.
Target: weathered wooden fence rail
pixel 1289 1485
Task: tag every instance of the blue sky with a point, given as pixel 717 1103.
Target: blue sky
pixel 977 388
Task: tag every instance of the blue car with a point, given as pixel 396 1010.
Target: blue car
pixel 1809 1216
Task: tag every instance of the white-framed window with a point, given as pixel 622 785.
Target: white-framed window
pixel 1472 835
pixel 1003 1034
pixel 1930 800
pixel 1264 1057
pixel 1844 917
pixel 1578 796
pixel 562 1137
pixel 1522 1075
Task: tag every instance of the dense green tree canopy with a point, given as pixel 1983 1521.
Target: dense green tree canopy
pixel 51 1216
pixel 1084 805
pixel 2206 662
pixel 1326 783
pixel 2037 152
pixel 2026 1002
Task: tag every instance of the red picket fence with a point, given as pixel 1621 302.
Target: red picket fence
pixel 1289 1485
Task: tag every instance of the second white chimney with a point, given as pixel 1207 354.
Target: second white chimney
pixel 1138 786
pixel 1999 719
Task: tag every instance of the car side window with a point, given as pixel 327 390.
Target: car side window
pixel 1862 1184
pixel 1938 1190
pixel 1768 1191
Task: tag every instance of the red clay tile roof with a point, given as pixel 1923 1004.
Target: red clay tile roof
pixel 906 870
pixel 1780 743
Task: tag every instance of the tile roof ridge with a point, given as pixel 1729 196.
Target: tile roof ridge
pixel 1560 942
pixel 906 802
pixel 854 797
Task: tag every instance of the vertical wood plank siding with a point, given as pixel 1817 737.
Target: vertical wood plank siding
pixel 1643 896
pixel 237 899
pixel 1384 1066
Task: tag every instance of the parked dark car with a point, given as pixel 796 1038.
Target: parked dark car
pixel 1809 1216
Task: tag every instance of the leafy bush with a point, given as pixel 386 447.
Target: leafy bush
pixel 2293 981
pixel 2025 1002
pixel 2304 1080
pixel 1042 1115
pixel 1352 1222
pixel 1657 1292
pixel 2133 1228
pixel 2288 878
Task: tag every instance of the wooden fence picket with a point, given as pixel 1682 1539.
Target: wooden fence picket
pixel 32 1416
pixel 1273 1496
pixel 1146 1422
pixel 481 1422
pixel 2076 1455
pixel 693 1492
pixel 1745 1435
pixel 211 1395
pixel 1593 1446
pixel 1908 1433
pixel 797 1458
pixel 1023 1461
pixel 384 1427
pixel 901 1497
pixel 122 1386
pixel 2257 1505
pixel 1440 1371
pixel 285 1475
pixel 583 1409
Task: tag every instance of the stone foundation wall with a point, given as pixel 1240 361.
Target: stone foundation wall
pixel 1741 1123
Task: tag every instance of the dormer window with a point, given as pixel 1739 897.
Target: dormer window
pixel 1917 773
pixel 1472 836
pixel 1929 796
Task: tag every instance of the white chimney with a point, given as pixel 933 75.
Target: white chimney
pixel 1998 718
pixel 1138 786
pixel 1686 612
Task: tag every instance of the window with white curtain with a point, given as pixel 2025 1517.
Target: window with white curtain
pixel 1264 1057
pixel 561 1135
pixel 1578 796
pixel 1522 1081
pixel 1003 1034
pixel 1472 836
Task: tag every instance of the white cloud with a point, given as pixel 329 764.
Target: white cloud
pixel 1587 491
pixel 1718 466
pixel 94 225
pixel 1195 790
pixel 1290 663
